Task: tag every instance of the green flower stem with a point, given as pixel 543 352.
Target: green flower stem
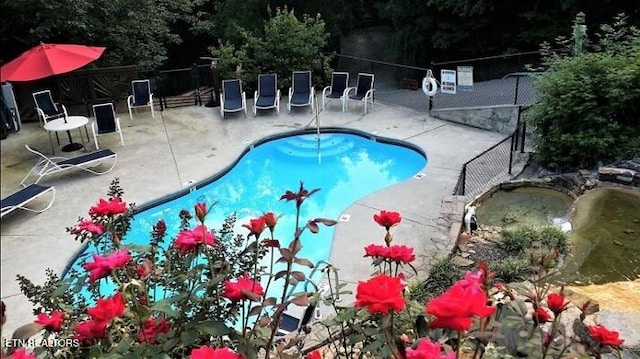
pixel 552 333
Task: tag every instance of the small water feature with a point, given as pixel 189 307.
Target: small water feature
pixel 525 206
pixel 606 238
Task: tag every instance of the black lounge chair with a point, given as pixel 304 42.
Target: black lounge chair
pixel 301 93
pixel 268 95
pixel 363 91
pixel 22 198
pixel 232 98
pixel 142 96
pixel 339 84
pixel 87 162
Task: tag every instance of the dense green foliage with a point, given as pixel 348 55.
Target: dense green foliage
pixel 286 44
pixel 135 32
pixel 177 32
pixel 588 108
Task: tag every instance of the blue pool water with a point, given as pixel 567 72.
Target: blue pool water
pixel 346 167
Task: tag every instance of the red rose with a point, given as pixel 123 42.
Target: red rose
pixel 87 225
pixel 401 254
pixel 387 219
pixel 605 336
pixel 108 208
pixel 316 354
pixel 556 303
pixel 380 294
pixel 107 309
pixel 239 289
pixel 51 322
pixel 152 328
pixel 102 266
pixel 426 350
pixel 188 240
pixel 376 250
pixel 255 226
pixel 22 354
pixel 209 353
pixel 270 220
pixel 541 315
pixel 454 308
pixel 90 330
pixel 201 211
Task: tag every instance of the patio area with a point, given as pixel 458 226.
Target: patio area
pixel 192 143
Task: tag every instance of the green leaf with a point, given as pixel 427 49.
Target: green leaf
pixel 164 306
pixel 214 328
pixel 170 344
pixel 60 290
pixel 188 337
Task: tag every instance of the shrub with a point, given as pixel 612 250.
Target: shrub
pixel 287 44
pixel 512 270
pixel 587 108
pixel 553 237
pixel 517 240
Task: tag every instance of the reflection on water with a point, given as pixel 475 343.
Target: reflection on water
pixel 524 206
pixel 606 240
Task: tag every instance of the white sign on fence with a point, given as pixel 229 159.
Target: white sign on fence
pixel 448 81
pixel 465 78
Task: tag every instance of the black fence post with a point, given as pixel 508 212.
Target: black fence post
pixel 513 143
pixel 522 138
pixel 464 178
pixel 195 81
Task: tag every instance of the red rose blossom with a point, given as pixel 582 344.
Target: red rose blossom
pixel 270 220
pixel 557 303
pixel 102 266
pixel 152 328
pixel 605 336
pixel 541 315
pixel 380 294
pixel 376 250
pixel 255 226
pixel 387 219
pixel 88 331
pixel 427 350
pixel 108 208
pixel 455 308
pixel 107 309
pixel 201 211
pixel 237 290
pixel 186 241
pixel 87 225
pixel 401 254
pixel 51 322
pixel 205 352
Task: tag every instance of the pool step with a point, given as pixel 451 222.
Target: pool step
pixel 307 146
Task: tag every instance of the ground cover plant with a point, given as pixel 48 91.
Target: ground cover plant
pixel 205 294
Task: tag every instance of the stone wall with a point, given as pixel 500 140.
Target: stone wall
pixel 503 119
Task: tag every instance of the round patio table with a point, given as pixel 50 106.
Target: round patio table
pixel 67 124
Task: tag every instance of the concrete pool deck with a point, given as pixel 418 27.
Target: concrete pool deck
pixel 192 143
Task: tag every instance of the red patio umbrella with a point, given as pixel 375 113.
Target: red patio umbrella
pixel 46 60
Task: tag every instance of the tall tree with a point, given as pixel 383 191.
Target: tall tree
pixel 135 32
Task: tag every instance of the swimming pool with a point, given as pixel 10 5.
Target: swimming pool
pixel 345 164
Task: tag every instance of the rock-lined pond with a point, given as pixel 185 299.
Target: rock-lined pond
pixel 605 240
